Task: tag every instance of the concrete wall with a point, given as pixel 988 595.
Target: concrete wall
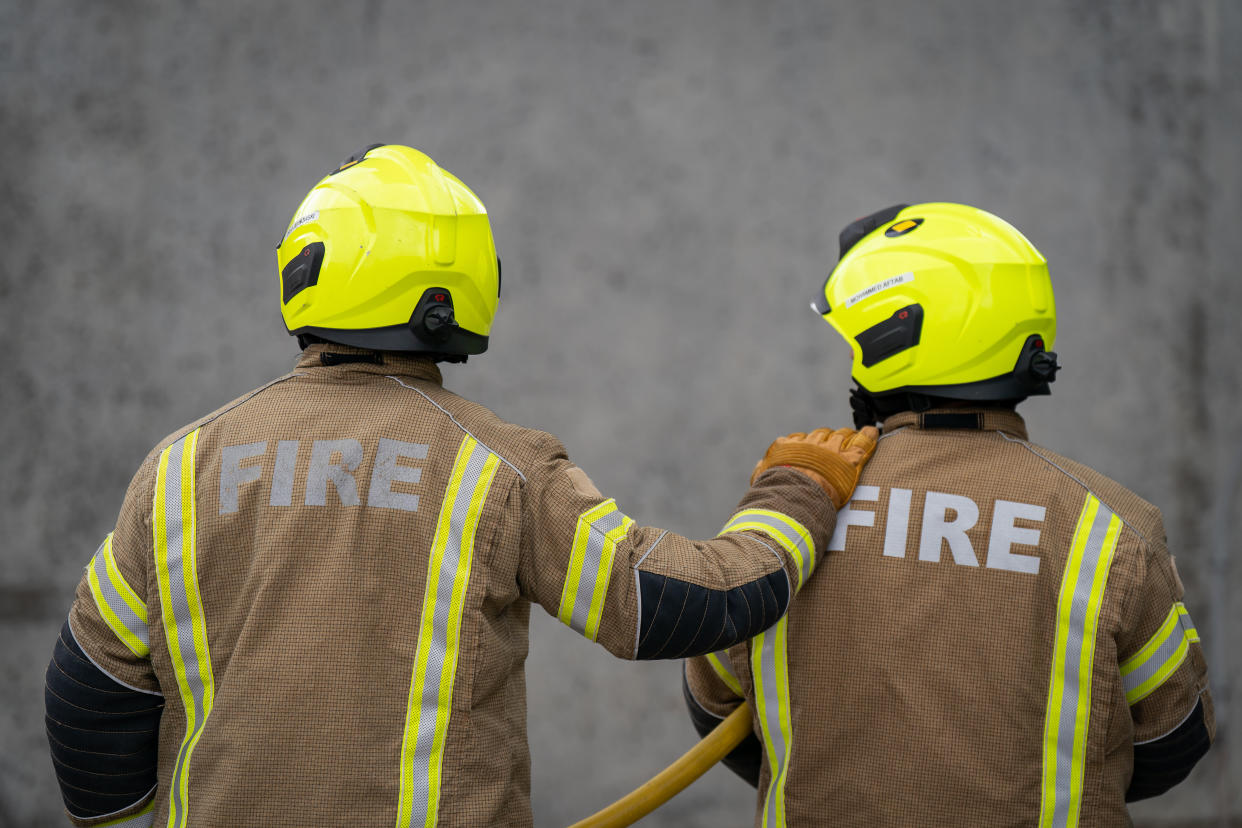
pixel 666 182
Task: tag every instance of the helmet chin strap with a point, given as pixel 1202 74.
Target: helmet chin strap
pixel 864 408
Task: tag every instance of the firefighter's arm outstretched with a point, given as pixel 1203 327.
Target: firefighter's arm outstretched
pixel 648 593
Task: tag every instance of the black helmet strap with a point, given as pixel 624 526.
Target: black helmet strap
pixel 870 409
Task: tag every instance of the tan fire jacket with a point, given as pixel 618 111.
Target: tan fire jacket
pixel 329 582
pixel 996 630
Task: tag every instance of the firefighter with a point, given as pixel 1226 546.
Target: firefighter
pixel 1004 640
pixel 313 607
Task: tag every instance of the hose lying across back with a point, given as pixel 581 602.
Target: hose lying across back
pixel 672 780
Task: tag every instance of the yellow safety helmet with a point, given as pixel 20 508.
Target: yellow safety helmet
pixel 941 301
pixel 390 252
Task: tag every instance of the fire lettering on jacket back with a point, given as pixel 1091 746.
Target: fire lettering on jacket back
pixel 945 521
pixel 333 464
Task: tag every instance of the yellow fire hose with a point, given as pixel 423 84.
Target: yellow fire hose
pixel 673 780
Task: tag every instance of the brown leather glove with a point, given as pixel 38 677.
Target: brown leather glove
pixel 833 459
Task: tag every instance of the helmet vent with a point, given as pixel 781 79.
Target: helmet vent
pixel 857 230
pixel 302 271
pixel 355 158
pixel 898 333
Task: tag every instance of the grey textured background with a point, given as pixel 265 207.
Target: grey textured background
pixel 666 182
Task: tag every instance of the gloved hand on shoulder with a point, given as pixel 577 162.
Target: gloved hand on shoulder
pixel 833 459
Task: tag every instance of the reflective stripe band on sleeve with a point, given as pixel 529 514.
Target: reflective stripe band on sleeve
pixel 1183 617
pixel 786 531
pixel 1066 718
pixel 724 669
pixel 143 819
pixel 430 700
pixel 590 567
pixel 771 676
pixel 122 610
pixel 185 626
pixel 1144 672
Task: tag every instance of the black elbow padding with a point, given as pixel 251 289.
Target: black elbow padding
pixel 680 619
pixel 745 759
pixel 1161 764
pixel 104 736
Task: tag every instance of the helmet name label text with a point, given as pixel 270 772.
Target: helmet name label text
pixel 300 220
pixel 880 287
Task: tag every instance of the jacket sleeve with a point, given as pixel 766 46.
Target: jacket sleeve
pixel 102 700
pixel 1164 677
pixel 648 593
pixel 713 689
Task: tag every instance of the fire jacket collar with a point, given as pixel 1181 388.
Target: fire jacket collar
pixel 972 419
pixel 344 358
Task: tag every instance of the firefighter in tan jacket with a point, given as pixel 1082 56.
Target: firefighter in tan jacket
pixel 313 608
pixel 998 637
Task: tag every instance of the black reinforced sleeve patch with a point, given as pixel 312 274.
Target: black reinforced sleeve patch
pixel 103 736
pixel 745 759
pixel 1161 764
pixel 681 619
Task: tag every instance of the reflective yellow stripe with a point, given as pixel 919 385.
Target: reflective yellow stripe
pixel 1192 632
pixel 792 536
pixel 119 606
pixel 127 593
pixel 1067 718
pixel 1145 671
pixel 1162 634
pixel 769 663
pixel 720 663
pixel 185 627
pixel 598 532
pixel 430 702
pixel 770 673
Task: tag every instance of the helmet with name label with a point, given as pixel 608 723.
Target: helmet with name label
pixel 940 301
pixel 390 252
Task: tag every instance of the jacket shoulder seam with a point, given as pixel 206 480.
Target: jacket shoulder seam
pixel 215 415
pixel 459 424
pixel 1026 445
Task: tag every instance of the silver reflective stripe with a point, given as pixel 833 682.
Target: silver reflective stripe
pixel 1069 697
pixel 782 529
pixel 786 531
pixel 589 571
pixel 143 819
pixel 1148 669
pixel 434 671
pixel 109 594
pixel 772 699
pixel 592 558
pixel 719 662
pixel 722 657
pixel 183 624
pixel 183 621
pixel 431 690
